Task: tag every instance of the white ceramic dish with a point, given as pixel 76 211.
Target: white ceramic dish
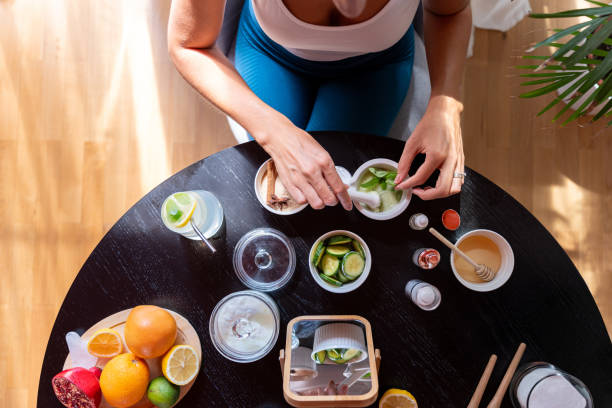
pixel 396 210
pixel 340 336
pixel 349 286
pixel 505 269
pixel 262 200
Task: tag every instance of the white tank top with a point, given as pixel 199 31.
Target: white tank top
pixel 323 43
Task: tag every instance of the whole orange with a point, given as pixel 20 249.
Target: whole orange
pixel 124 380
pixel 150 331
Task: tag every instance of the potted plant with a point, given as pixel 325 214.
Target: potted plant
pixel 580 69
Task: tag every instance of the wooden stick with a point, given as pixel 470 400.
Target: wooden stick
pixel 453 247
pixel 482 384
pixel 505 382
pixel 271 172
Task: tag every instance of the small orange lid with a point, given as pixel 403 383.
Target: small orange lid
pixel 451 220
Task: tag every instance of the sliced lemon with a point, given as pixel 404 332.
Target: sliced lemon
pixel 396 398
pixel 105 343
pixel 178 209
pixel 180 365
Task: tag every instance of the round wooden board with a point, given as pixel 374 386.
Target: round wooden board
pixel 186 334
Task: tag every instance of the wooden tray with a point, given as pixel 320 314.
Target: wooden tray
pixel 186 334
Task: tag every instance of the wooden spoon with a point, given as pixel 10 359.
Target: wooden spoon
pixel 483 271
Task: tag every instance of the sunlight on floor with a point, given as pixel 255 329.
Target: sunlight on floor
pixel 149 129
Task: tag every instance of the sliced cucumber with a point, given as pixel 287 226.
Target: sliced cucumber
pixel 330 264
pixel 353 265
pixel 338 240
pixel 320 356
pixel 350 354
pixel 318 254
pixel 341 277
pixel 330 280
pixel 358 248
pixel 367 375
pixel 341 361
pixel 337 250
pixel 334 354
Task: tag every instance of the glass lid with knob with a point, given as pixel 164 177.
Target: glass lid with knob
pixel 244 326
pixel 264 259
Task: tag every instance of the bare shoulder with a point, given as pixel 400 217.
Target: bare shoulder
pixel 445 7
pixel 195 23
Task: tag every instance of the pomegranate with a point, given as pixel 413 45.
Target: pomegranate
pixel 78 387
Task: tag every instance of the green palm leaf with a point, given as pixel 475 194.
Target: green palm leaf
pixel 583 58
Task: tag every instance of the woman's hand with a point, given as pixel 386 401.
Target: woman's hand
pixel 438 136
pixel 304 167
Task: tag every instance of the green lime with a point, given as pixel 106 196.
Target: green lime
pixel 173 212
pixel 162 393
pixel 178 209
pixel 183 198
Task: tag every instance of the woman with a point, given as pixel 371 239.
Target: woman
pixel 330 65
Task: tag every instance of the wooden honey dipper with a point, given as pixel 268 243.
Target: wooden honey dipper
pixel 483 271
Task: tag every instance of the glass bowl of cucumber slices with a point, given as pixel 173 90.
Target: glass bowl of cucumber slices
pixel 340 261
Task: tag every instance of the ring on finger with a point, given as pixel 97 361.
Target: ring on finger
pixel 459 174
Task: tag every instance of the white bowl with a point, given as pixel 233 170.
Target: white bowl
pixel 393 212
pixel 505 269
pixel 349 286
pixel 340 336
pixel 262 200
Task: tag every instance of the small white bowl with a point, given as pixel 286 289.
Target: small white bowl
pixel 262 200
pixel 393 212
pixel 505 269
pixel 349 286
pixel 340 336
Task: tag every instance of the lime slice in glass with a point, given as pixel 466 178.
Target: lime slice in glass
pixel 178 209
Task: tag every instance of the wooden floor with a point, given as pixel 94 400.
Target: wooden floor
pixel 93 116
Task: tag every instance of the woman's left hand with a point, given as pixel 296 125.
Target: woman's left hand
pixel 438 136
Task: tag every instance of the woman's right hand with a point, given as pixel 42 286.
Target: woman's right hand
pixel 304 167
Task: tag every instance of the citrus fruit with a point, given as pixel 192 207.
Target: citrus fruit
pixel 178 209
pixel 396 398
pixel 180 365
pixel 124 380
pixel 149 331
pixel 162 393
pixel 105 343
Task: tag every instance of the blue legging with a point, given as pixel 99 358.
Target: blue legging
pixel 360 94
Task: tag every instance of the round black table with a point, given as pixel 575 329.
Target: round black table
pixel 438 356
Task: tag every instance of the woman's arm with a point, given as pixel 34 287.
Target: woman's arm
pixel 447 30
pixel 303 165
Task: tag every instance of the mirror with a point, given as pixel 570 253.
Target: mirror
pixel 330 357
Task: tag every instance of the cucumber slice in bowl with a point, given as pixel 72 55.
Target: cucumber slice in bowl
pixel 320 356
pixel 335 354
pixel 330 280
pixel 358 248
pixel 353 265
pixel 316 258
pixel 329 265
pixel 339 240
pixel 341 277
pixel 350 354
pixel 337 250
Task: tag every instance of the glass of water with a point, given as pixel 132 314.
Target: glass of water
pixel 201 208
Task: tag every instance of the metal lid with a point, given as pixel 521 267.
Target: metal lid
pixel 264 259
